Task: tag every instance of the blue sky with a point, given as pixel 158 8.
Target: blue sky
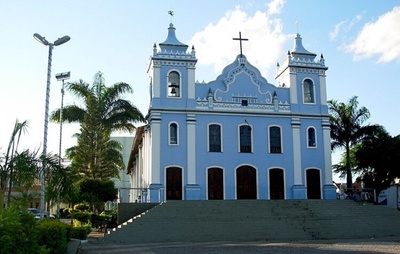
pixel 360 41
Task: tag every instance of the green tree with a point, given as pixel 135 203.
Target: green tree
pixel 59 180
pixel 104 111
pixel 341 168
pixel 20 170
pixel 348 128
pixel 376 158
pixel 7 165
pixel 96 192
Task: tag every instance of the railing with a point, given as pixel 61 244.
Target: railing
pixel 140 195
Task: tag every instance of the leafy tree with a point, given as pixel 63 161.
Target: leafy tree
pixel 348 128
pixel 341 168
pixel 97 192
pixel 7 166
pixel 376 158
pixel 27 167
pixel 21 170
pixel 60 180
pixel 104 111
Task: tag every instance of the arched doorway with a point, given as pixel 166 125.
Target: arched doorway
pixel 215 178
pixel 246 183
pixel 174 183
pixel 313 184
pixel 276 184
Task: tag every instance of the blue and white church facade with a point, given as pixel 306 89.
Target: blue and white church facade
pixel 236 137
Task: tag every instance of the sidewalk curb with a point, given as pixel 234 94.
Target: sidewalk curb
pixel 74 246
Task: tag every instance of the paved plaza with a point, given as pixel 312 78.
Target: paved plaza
pixel 364 246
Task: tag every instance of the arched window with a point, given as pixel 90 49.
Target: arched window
pixel 173 134
pixel 245 139
pixel 275 140
pixel 214 138
pixel 308 91
pixel 174 85
pixel 311 138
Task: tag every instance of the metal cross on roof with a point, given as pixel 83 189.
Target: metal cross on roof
pixel 240 39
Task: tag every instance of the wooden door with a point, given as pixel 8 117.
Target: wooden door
pixel 313 184
pixel 276 184
pixel 246 183
pixel 215 183
pixel 174 183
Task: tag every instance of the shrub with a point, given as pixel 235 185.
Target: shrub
pixel 53 235
pixel 65 213
pixel 79 233
pixel 83 217
pixel 81 206
pixel 97 219
pixel 18 232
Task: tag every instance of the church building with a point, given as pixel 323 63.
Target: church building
pixel 236 137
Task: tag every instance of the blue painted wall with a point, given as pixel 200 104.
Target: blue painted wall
pixel 220 102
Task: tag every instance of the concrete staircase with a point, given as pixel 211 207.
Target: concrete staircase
pixel 255 220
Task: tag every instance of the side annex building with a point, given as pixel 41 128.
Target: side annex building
pixel 236 137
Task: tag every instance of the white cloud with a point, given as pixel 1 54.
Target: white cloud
pixel 275 6
pixel 344 26
pixel 335 32
pixel 380 39
pixel 215 45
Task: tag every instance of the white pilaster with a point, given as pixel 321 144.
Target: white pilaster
pixel 327 151
pixel 322 85
pixel 293 86
pixel 296 151
pixel 156 81
pixel 191 82
pixel 156 151
pixel 191 148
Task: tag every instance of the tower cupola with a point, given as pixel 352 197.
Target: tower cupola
pixel 299 51
pixel 172 44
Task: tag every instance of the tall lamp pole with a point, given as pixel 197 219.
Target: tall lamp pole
pixel 58 42
pixel 61 76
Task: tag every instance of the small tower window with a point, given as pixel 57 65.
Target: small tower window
pixel 173 134
pixel 311 137
pixel 174 85
pixel 308 91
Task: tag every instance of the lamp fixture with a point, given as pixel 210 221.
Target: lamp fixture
pixel 63 75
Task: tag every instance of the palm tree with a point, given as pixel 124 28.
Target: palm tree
pixel 6 161
pixel 104 111
pixel 348 128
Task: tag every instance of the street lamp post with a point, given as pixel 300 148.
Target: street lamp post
pixel 61 76
pixel 58 42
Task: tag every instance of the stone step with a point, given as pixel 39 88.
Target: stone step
pixel 253 220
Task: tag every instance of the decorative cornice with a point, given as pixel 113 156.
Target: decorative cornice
pixel 180 63
pixel 282 106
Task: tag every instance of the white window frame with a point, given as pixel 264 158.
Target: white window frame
pixel 251 136
pixel 269 138
pixel 313 91
pixel 308 137
pixel 169 95
pixel 221 137
pixel 169 134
